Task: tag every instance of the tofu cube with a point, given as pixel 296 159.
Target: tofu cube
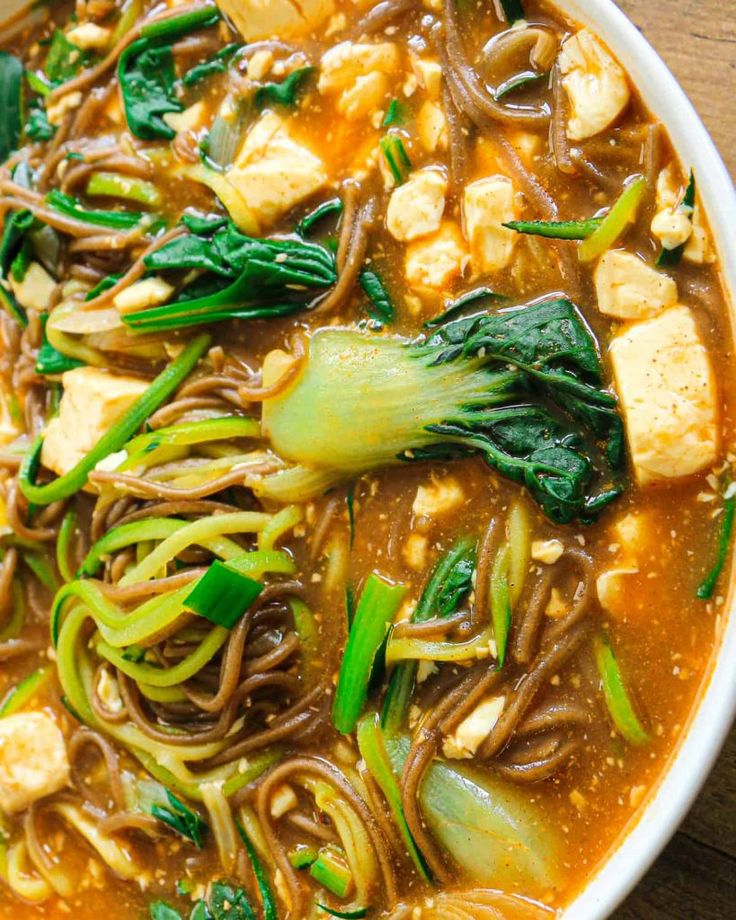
pixel 668 394
pixel 256 19
pixel 272 172
pixel 92 402
pixel 487 205
pixel 434 262
pixel 33 760
pixel 428 73
pixel 89 36
pixel 149 292
pixel 611 588
pixel 628 288
pixel 358 74
pixel 439 497
pixel 474 729
pixel 415 208
pixel 595 83
pixel 547 551
pixel 432 127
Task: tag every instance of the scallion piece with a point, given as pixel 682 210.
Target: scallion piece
pixel 381 309
pixel 20 695
pixel 501 602
pixel 394 114
pixel 128 188
pixel 706 588
pixel 557 229
pixel 69 206
pixel 222 595
pixel 512 10
pixel 617 699
pixel 345 914
pixel 396 157
pixel 621 215
pixel 284 93
pixel 331 870
pixel 270 911
pixel 181 819
pixel 302 856
pixel 373 616
pixel 11 90
pixel 218 63
pixel 326 209
pixel 157 393
pixel 520 81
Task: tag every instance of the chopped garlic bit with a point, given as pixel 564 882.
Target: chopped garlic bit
pixel 470 733
pixel 547 551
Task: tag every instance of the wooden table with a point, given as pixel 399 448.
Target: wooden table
pixel 695 878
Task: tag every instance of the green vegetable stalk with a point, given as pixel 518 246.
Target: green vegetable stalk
pixel 522 388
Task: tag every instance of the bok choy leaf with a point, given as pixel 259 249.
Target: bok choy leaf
pixel 11 86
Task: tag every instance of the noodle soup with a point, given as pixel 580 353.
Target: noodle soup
pixel 366 477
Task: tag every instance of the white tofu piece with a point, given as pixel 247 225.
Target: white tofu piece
pixel 34 292
pixel 189 120
pixel 283 799
pixel 414 551
pixel 358 74
pixel 431 125
pixel 595 83
pixel 632 531
pixel 256 19
pixel 547 551
pixel 141 294
pixel 272 172
pixel 428 73
pixel 627 288
pixel 93 400
pixel 434 262
pixel 672 228
pixel 59 108
pixel 668 394
pixel 487 205
pixel 611 588
pixel 89 36
pixel 33 760
pixel 474 729
pixel 415 208
pixel 438 498
pixel 699 249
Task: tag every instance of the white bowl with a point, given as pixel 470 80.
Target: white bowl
pixel 640 844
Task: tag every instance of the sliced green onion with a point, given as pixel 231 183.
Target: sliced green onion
pixel 394 114
pixel 381 309
pixel 373 752
pixel 396 157
pixel 160 910
pixel 302 856
pixel 326 209
pixel 376 609
pixel 617 699
pixel 501 602
pixel 114 185
pixel 284 93
pixel 520 81
pixel 345 914
pixel 68 205
pixel 670 257
pixel 513 10
pixel 19 696
pixel 331 870
pixel 157 393
pixel 222 595
pixel 218 63
pixel 270 911
pixel 181 818
pixel 457 306
pixel 705 590
pixel 557 229
pixel 621 215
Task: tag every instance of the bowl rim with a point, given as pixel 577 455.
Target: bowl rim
pixel 710 721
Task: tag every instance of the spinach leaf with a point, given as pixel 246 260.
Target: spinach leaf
pixel 160 910
pixel 284 93
pixel 181 819
pixel 15 230
pixel 64 59
pixel 326 209
pixel 381 309
pixel 218 63
pixel 146 73
pixel 67 204
pixel 51 361
pixel 227 902
pixel 38 127
pixel 11 86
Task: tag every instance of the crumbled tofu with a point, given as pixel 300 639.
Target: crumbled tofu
pixel 141 294
pixel 699 248
pixel 675 225
pixel 260 63
pixel 432 264
pixel 89 36
pixel 428 73
pixel 284 19
pixel 425 670
pixel 272 172
pixel 487 205
pixel 668 394
pixel 283 800
pixel 358 73
pixel 628 288
pixel 33 760
pixel 57 110
pixel 189 120
pixel 415 208
pixel 414 551
pixel 595 83
pixel 672 228
pixel 547 551
pixel 471 732
pixel 611 589
pixel 632 531
pixel 438 498
pixel 431 126
pixel 93 400
pixel 34 292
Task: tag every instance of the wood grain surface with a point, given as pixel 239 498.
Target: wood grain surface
pixel 695 878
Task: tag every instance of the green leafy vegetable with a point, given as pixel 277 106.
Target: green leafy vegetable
pixel 246 278
pixel 557 229
pixel 71 207
pixel 617 698
pixel 11 86
pixel 222 595
pixel 270 911
pixel 521 387
pixel 302 856
pixel 218 63
pixel 394 114
pixel 284 93
pixel 670 257
pixel 376 609
pixel 622 214
pixel 326 209
pixel 513 10
pixel 381 309
pixel 227 902
pixel 461 304
pixel 146 73
pixel 345 914
pixel 706 588
pixel 394 152
pixel 447 588
pixel 517 82
pixel 160 910
pixel 64 59
pixel 181 819
pixel 38 127
pixel 331 870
